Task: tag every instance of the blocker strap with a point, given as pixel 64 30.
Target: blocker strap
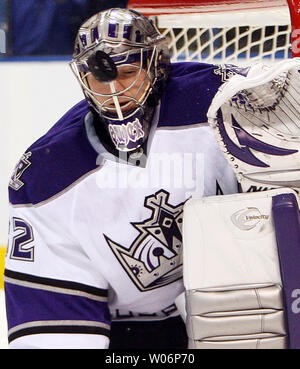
pixel 287 229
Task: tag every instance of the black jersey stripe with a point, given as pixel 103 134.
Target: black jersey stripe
pixel 56 283
pixel 62 329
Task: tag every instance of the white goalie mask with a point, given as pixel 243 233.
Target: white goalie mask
pixel 121 62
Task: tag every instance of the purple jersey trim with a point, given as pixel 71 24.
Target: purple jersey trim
pixel 58 159
pixel 287 229
pixel 53 306
pixel 188 94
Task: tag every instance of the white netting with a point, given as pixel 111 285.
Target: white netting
pixel 230 44
pixel 219 35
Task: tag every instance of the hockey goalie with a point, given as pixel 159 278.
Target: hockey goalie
pixel 242 252
pixel 94 257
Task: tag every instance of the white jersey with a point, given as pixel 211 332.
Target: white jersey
pixel 94 239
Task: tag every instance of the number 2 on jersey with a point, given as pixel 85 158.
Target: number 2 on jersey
pixel 22 238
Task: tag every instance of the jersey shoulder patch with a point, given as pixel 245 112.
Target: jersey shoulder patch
pixel 54 161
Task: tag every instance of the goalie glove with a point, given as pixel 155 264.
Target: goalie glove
pixel 257 124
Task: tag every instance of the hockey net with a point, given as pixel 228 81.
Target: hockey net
pixel 231 31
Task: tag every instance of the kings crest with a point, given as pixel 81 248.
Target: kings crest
pixel 154 259
pixel 15 182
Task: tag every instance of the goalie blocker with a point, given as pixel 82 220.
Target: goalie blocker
pixel 243 280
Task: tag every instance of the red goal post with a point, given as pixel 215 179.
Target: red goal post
pixel 237 31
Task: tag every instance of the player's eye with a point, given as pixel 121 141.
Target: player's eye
pixel 128 73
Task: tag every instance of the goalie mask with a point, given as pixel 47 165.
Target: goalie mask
pixel 122 62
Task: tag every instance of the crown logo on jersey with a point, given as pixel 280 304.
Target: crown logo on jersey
pixel 15 182
pixel 154 259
